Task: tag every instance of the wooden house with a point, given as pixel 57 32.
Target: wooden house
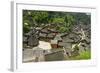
pixel 54 43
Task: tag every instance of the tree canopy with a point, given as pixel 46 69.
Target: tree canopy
pixel 61 21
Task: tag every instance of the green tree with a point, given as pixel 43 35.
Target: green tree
pixel 61 21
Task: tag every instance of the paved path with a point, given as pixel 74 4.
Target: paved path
pixel 29 57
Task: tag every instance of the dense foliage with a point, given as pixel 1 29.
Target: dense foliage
pixel 61 21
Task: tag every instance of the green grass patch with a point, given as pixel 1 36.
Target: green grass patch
pixel 83 56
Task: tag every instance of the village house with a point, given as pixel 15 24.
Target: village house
pixel 54 44
pixel 47 34
pixel 31 38
pixel 50 36
pixel 53 31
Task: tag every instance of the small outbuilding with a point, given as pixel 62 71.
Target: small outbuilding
pixel 54 43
